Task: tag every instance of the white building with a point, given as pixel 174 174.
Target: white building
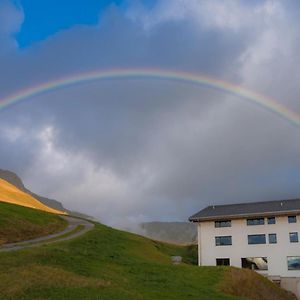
pixel 263 236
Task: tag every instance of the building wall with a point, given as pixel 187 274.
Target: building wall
pixel 276 253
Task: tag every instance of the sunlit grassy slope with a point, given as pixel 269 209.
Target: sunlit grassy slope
pixel 18 223
pixel 110 264
pixel 11 194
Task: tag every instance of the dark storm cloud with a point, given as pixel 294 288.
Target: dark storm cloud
pixel 145 149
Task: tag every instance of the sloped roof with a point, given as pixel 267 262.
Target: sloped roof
pixel 268 208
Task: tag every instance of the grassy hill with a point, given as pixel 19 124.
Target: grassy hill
pixel 110 264
pixel 11 194
pixel 18 223
pixel 15 180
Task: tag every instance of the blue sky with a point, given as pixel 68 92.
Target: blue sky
pixel 45 18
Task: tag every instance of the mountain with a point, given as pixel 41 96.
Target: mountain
pixel 11 194
pixel 173 232
pixel 15 180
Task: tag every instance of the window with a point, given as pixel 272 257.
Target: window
pixel 292 219
pixel 271 220
pixel 293 262
pixel 272 238
pixel 257 221
pixel 223 240
pixel 255 263
pixel 223 223
pixel 223 262
pixel 294 237
pixel 256 239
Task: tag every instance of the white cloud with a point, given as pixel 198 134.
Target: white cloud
pixel 12 134
pixel 232 15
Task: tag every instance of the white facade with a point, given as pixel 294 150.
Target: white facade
pixel 276 253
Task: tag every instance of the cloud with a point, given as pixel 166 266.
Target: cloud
pixel 11 19
pixel 221 15
pixel 136 150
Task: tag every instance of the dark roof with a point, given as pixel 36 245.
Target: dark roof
pixel 234 211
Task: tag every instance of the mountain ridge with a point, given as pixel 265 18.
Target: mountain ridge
pixel 15 180
pixel 11 194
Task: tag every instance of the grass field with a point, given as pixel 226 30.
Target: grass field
pixel 19 223
pixel 109 264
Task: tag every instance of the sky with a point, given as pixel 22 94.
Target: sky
pixel 134 150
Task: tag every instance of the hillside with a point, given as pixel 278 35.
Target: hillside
pixel 15 180
pixel 11 194
pixel 18 223
pixel 172 232
pixel 110 264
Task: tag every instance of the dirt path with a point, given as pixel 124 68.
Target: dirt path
pixel 64 235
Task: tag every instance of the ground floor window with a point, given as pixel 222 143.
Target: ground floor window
pixel 223 262
pixel 293 262
pixel 255 263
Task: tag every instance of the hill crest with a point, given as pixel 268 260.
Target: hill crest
pixel 15 180
pixel 11 194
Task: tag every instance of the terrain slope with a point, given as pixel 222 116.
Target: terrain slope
pixel 11 194
pixel 106 263
pixel 19 223
pixel 15 180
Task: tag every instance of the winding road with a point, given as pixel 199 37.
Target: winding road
pixel 65 235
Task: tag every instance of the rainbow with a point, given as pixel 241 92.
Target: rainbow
pixel 157 74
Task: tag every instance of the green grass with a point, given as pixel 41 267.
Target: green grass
pixel 110 264
pixel 18 223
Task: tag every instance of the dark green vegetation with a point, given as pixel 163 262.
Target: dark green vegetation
pixel 18 223
pixel 109 264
